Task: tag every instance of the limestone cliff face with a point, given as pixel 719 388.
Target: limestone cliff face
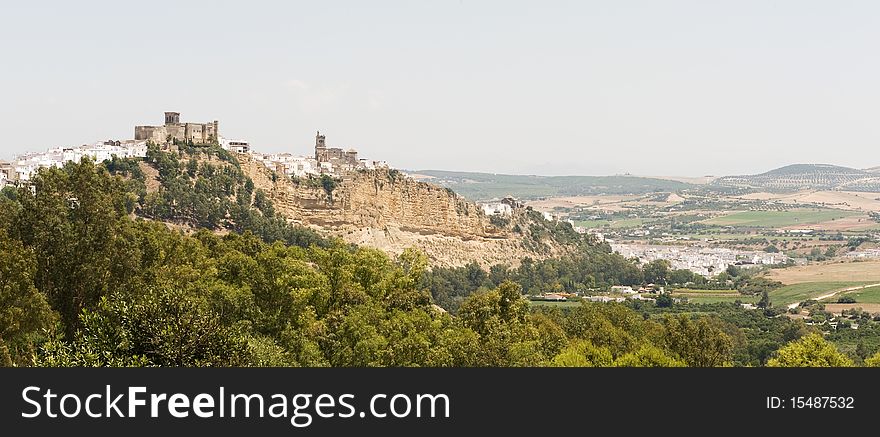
pixel 386 210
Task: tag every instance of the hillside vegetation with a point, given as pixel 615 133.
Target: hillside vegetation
pixel 86 280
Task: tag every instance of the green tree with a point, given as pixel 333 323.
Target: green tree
pixel 162 328
pixel 657 271
pixel 24 311
pixel 583 354
pixel 810 351
pixel 681 276
pixel 74 222
pixel 500 319
pixel 862 350
pixel 664 300
pixel 648 356
pixel 873 361
pixel 700 343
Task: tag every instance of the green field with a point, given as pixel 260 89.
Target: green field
pixel 712 296
pixel 701 291
pixel 715 299
pixel 807 290
pixel 566 304
pixel 866 295
pixel 775 219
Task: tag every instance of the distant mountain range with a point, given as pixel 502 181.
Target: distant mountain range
pixel 796 177
pixel 807 177
pixel 486 186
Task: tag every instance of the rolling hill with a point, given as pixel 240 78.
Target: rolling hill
pixel 806 177
pixel 485 186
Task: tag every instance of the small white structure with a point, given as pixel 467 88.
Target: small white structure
pixel 605 299
pixel 238 146
pixel 624 289
pixel 497 208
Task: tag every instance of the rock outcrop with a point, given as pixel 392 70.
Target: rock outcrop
pixel 386 210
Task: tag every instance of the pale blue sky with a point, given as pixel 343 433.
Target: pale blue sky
pixel 581 87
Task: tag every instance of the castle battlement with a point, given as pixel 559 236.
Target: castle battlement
pixel 173 129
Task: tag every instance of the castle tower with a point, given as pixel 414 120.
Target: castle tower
pixel 172 118
pixel 320 147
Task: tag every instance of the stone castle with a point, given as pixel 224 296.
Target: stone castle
pixel 198 133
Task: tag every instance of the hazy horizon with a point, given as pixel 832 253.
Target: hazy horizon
pixel 682 88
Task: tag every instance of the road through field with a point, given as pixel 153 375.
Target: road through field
pixel 832 294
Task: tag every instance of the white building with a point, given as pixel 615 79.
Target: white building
pixel 373 165
pixel 235 146
pixel 497 208
pixel 625 289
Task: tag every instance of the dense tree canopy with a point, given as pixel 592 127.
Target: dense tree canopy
pixel 810 351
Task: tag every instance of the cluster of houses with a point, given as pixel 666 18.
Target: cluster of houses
pixel 619 293
pixel 332 161
pixel 303 166
pixel 23 167
pixel 706 261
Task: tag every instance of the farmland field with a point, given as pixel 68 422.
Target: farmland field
pixel 700 291
pixel 565 304
pixel 722 298
pixel 865 295
pixel 865 271
pixel 713 296
pixel 776 219
pixel 807 290
pixel 837 308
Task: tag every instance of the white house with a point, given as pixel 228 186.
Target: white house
pixel 625 289
pixel 497 208
pixel 235 146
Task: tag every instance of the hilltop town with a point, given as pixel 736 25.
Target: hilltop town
pixel 331 161
pixel 333 191
pixel 633 225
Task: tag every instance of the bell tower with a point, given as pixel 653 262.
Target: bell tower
pixel 172 118
pixel 320 147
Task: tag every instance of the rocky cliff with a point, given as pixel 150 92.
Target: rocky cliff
pixel 386 210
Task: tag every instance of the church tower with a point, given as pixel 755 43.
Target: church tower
pixel 320 147
pixel 172 118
